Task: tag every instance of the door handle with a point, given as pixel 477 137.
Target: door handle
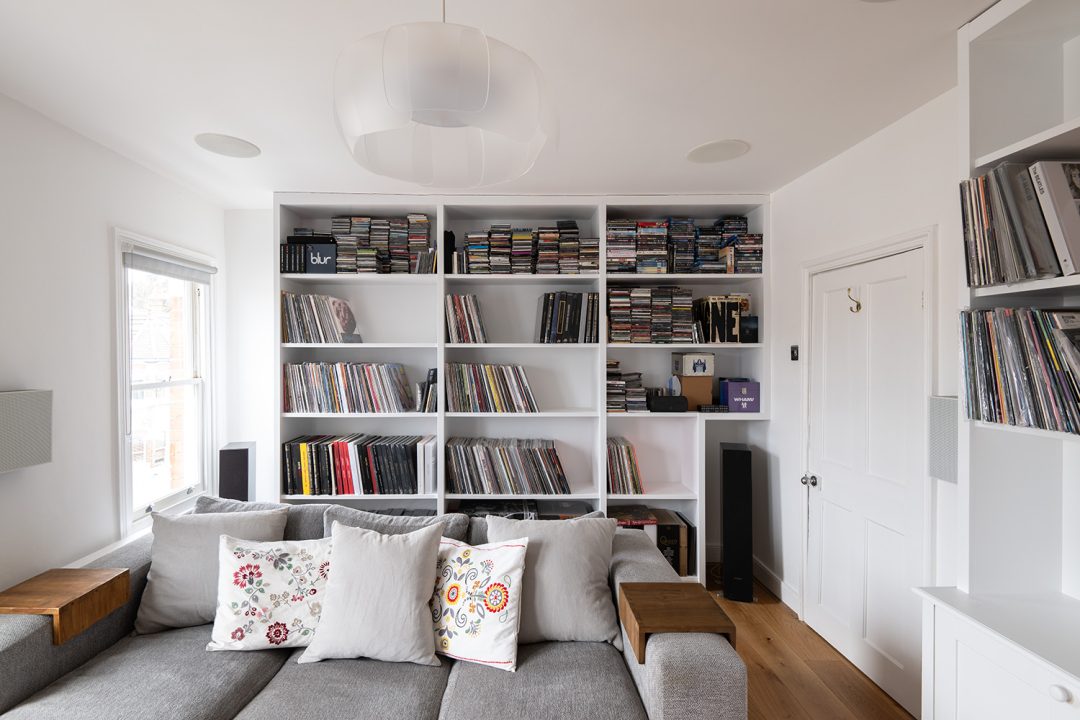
pixel 813 481
pixel 805 480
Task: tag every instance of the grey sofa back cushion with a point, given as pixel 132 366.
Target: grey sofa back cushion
pixel 305 521
pixel 455 525
pixel 478 527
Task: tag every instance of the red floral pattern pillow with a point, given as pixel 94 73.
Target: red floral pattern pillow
pixel 269 593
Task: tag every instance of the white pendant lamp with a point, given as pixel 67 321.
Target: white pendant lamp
pixel 441 105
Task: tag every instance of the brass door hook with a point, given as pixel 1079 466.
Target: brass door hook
pixel 858 305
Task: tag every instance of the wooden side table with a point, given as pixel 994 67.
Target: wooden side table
pixel 76 598
pixel 681 607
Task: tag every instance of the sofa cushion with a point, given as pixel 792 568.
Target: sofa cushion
pixel 164 675
pixel 305 521
pixel 478 527
pixel 355 689
pixel 551 678
pixel 455 525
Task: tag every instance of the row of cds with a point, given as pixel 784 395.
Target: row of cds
pixel 346 387
pixel 1022 367
pixel 480 387
pixel 464 323
pixel 623 473
pixel 359 464
pixel 504 466
pixel 549 250
pixel 661 314
pixel 625 393
pixel 677 245
pixel 384 245
pixel 316 319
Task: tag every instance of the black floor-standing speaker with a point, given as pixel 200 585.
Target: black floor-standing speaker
pixel 236 471
pixel 736 486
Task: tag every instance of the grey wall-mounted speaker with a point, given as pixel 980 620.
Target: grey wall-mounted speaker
pixel 25 428
pixel 943 428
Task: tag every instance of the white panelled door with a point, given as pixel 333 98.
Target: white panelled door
pixel 867 423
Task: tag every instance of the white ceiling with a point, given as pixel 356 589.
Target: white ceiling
pixel 637 84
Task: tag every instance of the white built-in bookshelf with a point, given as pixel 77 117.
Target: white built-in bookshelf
pixel 401 319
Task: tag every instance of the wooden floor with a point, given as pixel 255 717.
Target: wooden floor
pixel 793 673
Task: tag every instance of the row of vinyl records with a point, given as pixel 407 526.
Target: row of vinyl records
pixel 1022 367
pixel 549 250
pixel 623 473
pixel 561 317
pixel 1021 222
pixel 354 387
pixel 494 466
pixel 359 464
pixel 669 314
pixel 317 319
pixel 678 245
pixel 481 387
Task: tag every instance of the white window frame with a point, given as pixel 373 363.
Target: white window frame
pixel 134 521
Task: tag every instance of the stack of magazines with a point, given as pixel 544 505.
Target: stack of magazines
pixel 624 476
pixel 344 387
pixel 495 466
pixel 475 387
pixel 1022 367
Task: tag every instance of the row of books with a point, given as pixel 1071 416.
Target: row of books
pixel 383 245
pixel 623 473
pixel 568 317
pixel 502 466
pixel 480 387
pixel 661 314
pixel 317 319
pixel 359 464
pixel 625 393
pixel 675 536
pixel 1021 222
pixel 678 245
pixel 549 250
pixel 1022 367
pixel 347 387
pixel 464 323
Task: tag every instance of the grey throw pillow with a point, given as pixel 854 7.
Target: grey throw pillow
pixel 566 595
pixel 181 586
pixel 305 520
pixel 376 600
pixel 478 533
pixel 455 525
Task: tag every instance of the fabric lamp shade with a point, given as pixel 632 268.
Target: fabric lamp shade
pixel 441 105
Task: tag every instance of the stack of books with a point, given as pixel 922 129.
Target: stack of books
pixel 477 387
pixel 504 466
pixel 346 387
pixel 464 323
pixel 359 464
pixel 624 475
pixel 621 246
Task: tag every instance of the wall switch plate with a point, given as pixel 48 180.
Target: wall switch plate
pixel 794 353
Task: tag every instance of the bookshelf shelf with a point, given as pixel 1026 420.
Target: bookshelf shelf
pixel 403 311
pixel 1060 141
pixel 1048 287
pixel 1019 430
pixel 706 417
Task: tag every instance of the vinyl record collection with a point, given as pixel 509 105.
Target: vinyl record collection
pixel 359 464
pixel 678 245
pixel 504 466
pixel 427 393
pixel 1022 367
pixel 316 319
pixel 624 475
pixel 464 323
pixel 371 245
pixel 625 393
pixel 346 387
pixel 549 250
pixel 476 387
pixel 568 317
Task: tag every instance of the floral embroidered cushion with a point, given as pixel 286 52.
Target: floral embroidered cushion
pixel 476 606
pixel 270 594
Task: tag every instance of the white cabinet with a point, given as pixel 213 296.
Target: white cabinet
pixel 979 676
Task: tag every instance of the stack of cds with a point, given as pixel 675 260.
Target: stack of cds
pixel 589 256
pixel 651 247
pixel 475 387
pixel 709 243
pixel 619 321
pixel 464 323
pixel 640 314
pixel 499 252
pixel 522 252
pixel 547 251
pixel 399 245
pixel 624 475
pixel 420 244
pixel 734 225
pixel 346 253
pixel 341 225
pixel 380 241
pixel 477 249
pixel 504 466
pixel 616 388
pixel 681 234
pixel 319 387
pixel 682 315
pixel 568 247
pixel 621 246
pixel 660 323
pixel 749 251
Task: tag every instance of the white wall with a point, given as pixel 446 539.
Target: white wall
pixel 60 197
pixel 899 180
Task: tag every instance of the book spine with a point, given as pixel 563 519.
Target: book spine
pixel 1053 221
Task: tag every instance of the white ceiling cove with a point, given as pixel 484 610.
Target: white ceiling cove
pixel 636 84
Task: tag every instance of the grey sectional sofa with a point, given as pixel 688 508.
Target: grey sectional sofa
pixel 108 673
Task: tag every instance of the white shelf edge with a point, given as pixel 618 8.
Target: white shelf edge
pixel 522 496
pixel 522 279
pixel 646 497
pixel 362 278
pixel 359 415
pixel 1032 287
pixel 1031 144
pixel 686 346
pixel 542 414
pixel 374 496
pixel 683 277
pixel 708 417
pixel 523 346
pixel 360 346
pixel 1036 432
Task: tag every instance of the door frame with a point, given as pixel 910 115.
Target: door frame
pixel 926 239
